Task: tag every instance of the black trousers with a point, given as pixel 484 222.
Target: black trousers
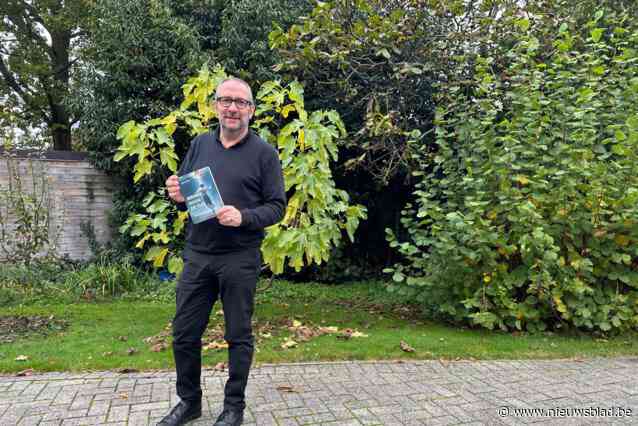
pixel 231 277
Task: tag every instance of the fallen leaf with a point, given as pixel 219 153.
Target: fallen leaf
pixel 405 347
pixel 23 373
pixel 345 334
pixel 304 334
pixel 159 347
pixel 289 344
pixel 127 370
pixel 122 338
pixel 105 354
pixel 216 345
pixel 22 358
pixel 123 395
pixel 285 388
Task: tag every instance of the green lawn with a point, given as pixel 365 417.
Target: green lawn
pixel 101 335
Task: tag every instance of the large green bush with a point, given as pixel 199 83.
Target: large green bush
pixel 528 218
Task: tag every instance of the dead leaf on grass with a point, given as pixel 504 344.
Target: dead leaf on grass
pixel 405 347
pixel 122 338
pixel 216 345
pixel 159 347
pixel 349 333
pixel 22 358
pixel 288 344
pixel 106 354
pixel 23 373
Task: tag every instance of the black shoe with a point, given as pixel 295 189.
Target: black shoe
pixel 230 418
pixel 182 413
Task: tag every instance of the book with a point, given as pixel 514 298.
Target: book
pixel 201 194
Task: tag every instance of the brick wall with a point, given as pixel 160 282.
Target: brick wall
pixel 78 193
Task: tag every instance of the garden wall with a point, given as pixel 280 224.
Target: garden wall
pixel 79 194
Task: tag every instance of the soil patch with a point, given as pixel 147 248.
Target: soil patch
pixel 13 327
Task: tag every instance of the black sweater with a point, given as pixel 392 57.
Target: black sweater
pixel 249 177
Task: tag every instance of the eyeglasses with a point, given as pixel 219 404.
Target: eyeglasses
pixel 226 102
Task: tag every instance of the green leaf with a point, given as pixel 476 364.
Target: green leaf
pixel 175 265
pixel 167 157
pixel 120 154
pixel 596 34
pixel 383 52
pixel 599 70
pixel 523 24
pixel 125 129
pixel 398 277
pixel 162 137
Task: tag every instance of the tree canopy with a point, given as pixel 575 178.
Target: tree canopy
pixel 36 62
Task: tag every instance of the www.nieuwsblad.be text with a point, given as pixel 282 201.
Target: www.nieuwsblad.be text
pixel 608 412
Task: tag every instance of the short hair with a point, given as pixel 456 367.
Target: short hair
pixel 238 80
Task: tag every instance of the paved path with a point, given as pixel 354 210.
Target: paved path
pixel 351 393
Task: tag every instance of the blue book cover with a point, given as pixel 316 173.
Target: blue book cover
pixel 201 194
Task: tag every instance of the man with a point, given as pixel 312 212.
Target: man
pixel 222 255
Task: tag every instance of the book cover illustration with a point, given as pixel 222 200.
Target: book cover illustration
pixel 201 194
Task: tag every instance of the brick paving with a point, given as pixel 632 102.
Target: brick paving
pixel 348 393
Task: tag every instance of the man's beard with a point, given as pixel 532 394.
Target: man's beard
pixel 240 125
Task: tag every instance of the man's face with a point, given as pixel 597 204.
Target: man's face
pixel 233 118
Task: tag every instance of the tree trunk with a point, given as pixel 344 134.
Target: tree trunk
pixel 61 137
pixel 60 125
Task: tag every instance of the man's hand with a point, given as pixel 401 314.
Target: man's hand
pixel 172 185
pixel 229 216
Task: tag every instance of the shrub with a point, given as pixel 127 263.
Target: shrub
pixel 49 282
pixel 26 214
pixel 529 217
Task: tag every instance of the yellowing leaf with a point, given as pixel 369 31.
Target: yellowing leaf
pixel 287 110
pixel 622 240
pixel 288 344
pixel 302 140
pixel 159 259
pixel 523 180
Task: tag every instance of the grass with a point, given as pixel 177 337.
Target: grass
pixel 101 334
